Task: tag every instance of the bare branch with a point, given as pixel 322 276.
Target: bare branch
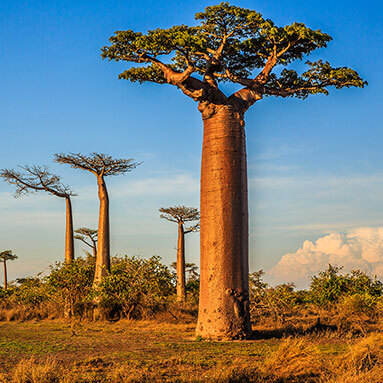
pixel 85 232
pixel 180 214
pixel 97 163
pixel 192 229
pixel 36 178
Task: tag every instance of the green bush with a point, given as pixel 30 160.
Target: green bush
pixel 71 284
pixel 192 292
pixel 272 301
pixel 138 287
pixel 28 291
pixel 329 287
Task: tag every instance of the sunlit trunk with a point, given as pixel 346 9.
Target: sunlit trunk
pixel 103 245
pixel 181 294
pixel 94 249
pixel 224 288
pixel 69 243
pixel 5 275
pixel 69 252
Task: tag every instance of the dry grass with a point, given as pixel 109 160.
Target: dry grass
pixel 21 313
pixel 295 357
pixel 149 351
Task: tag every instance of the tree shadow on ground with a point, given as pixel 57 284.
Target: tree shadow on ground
pixel 291 330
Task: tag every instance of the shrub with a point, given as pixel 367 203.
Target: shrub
pixel 137 286
pixel 329 287
pixel 274 301
pixel 192 292
pixel 29 291
pixel 71 284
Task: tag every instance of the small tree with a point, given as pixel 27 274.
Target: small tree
pixel 101 165
pixel 38 178
pixel 5 256
pixel 180 215
pixel 89 237
pixel 237 45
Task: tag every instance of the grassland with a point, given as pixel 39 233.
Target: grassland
pixel 151 351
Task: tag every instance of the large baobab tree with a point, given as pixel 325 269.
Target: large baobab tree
pixel 101 165
pixel 87 236
pixel 180 215
pixel 5 256
pixel 237 45
pixel 38 178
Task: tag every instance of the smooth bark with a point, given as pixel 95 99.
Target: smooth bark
pixel 69 242
pixel 224 288
pixel 181 292
pixel 94 249
pixel 5 275
pixel 103 247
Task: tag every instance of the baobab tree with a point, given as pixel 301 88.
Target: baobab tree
pixel 5 256
pixel 180 215
pixel 87 236
pixel 237 45
pixel 190 269
pixel 101 165
pixel 38 178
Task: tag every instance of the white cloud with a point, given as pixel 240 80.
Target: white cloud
pixel 361 248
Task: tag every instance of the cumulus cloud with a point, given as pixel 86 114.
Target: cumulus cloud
pixel 360 248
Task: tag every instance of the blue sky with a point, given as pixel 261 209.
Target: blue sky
pixel 315 166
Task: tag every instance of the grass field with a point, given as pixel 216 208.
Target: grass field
pixel 147 351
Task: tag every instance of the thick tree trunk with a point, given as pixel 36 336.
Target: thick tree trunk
pixel 103 250
pixel 69 243
pixel 224 288
pixel 69 252
pixel 5 275
pixel 181 293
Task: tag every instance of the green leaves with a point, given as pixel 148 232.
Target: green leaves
pixel 226 19
pixel 315 80
pixel 229 44
pixel 132 46
pixel 137 285
pixel 329 287
pixel 150 73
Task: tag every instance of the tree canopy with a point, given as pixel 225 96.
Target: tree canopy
pixel 229 44
pixel 97 163
pixel 181 214
pixel 7 255
pixel 84 233
pixel 34 179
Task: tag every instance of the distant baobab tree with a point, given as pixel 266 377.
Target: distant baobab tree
pixel 5 256
pixel 38 178
pixel 190 269
pixel 87 236
pixel 101 165
pixel 237 45
pixel 180 215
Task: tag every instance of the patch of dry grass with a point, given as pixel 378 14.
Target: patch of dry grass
pixel 149 351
